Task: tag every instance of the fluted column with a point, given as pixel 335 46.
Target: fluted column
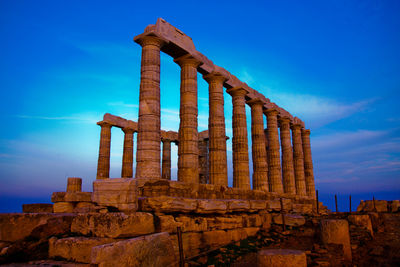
pixel 149 132
pixel 298 160
pixel 289 185
pixel 203 161
pixel 103 164
pixel 166 159
pixel 274 161
pixel 308 165
pixel 216 129
pixel 127 157
pixel 259 153
pixel 188 150
pixel 241 176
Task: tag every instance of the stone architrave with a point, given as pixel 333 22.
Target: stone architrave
pixel 166 159
pixel 308 165
pixel 241 175
pixel 188 150
pixel 298 159
pixel 203 161
pixel 127 157
pixel 289 184
pixel 274 160
pixel 149 132
pixel 260 166
pixel 216 129
pixel 103 164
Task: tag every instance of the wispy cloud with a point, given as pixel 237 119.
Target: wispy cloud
pixel 73 118
pixel 123 104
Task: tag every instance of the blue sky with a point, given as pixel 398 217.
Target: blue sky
pixel 63 64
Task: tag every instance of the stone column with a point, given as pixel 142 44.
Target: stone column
pixel 298 160
pixel 149 132
pixel 166 159
pixel 241 175
pixel 274 161
pixel 127 157
pixel 260 166
pixel 289 184
pixel 203 161
pixel 308 165
pixel 103 164
pixel 188 150
pixel 216 129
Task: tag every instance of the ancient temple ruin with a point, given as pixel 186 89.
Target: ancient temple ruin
pixel 147 219
pixel 288 175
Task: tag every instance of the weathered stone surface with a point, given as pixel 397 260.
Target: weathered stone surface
pixel 275 204
pixel 336 232
pixel 216 129
pixel 167 204
pixel 212 206
pixel 192 224
pixel 362 220
pixel 290 219
pixel 368 205
pixel 192 243
pixel 258 205
pixel 103 163
pixel 302 208
pixel 253 220
pixel 188 150
pixel 127 156
pixel 222 223
pixel 298 158
pixel 259 152
pixel 251 231
pixel 120 193
pixel 75 248
pixel 63 207
pixel 395 206
pixel 308 165
pixel 71 197
pixel 74 184
pixel 113 225
pixel 266 219
pixel 287 156
pixel 238 205
pixel 216 238
pixel 241 176
pixel 149 131
pixel 37 208
pixel 150 250
pixel 166 223
pixel 274 161
pixel 14 226
pixel 281 257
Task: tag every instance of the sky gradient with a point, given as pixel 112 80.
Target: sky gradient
pixel 334 64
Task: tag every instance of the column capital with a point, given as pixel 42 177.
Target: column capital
pixel 104 124
pixel 215 77
pixel 150 40
pixel 255 102
pixel 164 139
pixel 284 119
pixel 305 131
pixel 271 112
pixel 296 126
pixel 128 130
pixel 188 60
pixel 237 91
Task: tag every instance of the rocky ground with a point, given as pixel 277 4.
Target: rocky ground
pixel 382 248
pixel 376 243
